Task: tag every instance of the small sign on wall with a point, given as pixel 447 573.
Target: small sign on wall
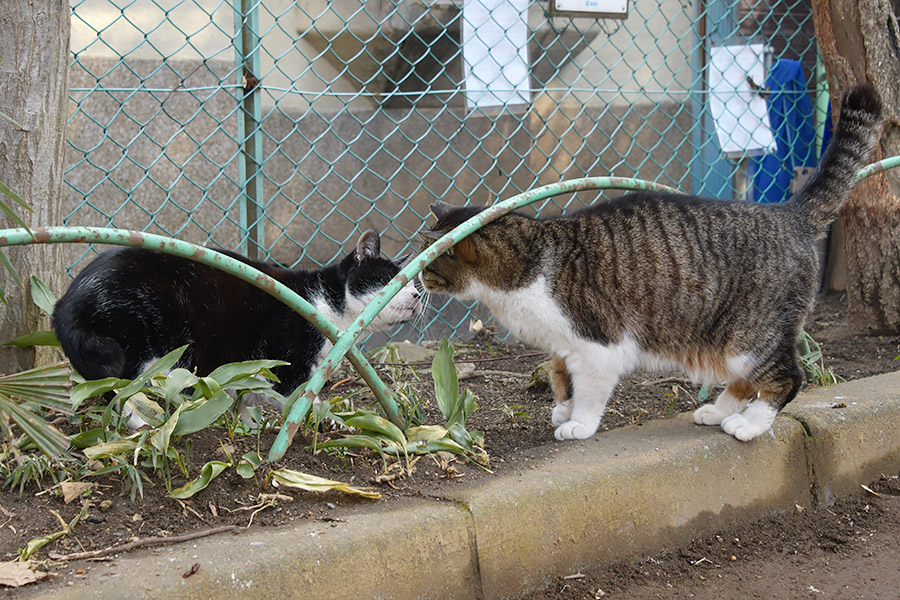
pixel 605 9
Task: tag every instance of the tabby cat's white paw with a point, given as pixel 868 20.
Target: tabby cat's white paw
pixel 708 414
pixel 562 412
pixel 755 420
pixel 576 430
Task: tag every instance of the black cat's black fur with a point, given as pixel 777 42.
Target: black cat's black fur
pixel 131 306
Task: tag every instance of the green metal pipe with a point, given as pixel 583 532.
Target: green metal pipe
pixel 878 167
pixel 207 256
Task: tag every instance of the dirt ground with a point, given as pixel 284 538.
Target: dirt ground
pixel 813 552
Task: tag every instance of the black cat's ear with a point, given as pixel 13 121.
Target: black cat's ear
pixel 368 246
pixel 442 209
pixel 403 259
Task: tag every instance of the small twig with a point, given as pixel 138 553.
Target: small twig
pixel 340 383
pixel 188 509
pixel 154 541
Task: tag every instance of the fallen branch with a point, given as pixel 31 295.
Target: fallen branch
pixel 154 541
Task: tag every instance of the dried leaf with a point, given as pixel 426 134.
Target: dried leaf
pixel 17 574
pixel 72 490
pixel 312 483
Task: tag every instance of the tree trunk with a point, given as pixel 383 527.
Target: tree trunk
pixel 860 42
pixel 34 62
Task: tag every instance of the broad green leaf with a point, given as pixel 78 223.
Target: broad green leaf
pixel 149 411
pixel 91 437
pixel 161 437
pixel 107 449
pixel 370 422
pixel 233 372
pixel 200 414
pixel 210 471
pixel 354 441
pixel 160 366
pixel 250 384
pixel 425 433
pixel 37 338
pixel 446 380
pixel 176 382
pixel 439 445
pixel 248 464
pixel 459 435
pixel 311 483
pixel 47 438
pixel 207 387
pixel 462 408
pixel 94 388
pixel 42 296
pixel 37 543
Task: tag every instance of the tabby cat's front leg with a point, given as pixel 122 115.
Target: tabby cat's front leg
pixel 589 388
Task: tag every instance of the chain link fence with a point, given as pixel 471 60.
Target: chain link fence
pixel 284 128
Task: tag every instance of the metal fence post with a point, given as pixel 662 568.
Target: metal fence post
pixel 249 137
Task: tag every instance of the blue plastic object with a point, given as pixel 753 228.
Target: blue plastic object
pixel 791 117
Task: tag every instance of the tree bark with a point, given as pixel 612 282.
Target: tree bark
pixel 860 42
pixel 34 62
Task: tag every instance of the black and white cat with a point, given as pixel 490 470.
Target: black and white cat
pixel 131 306
pixel 719 289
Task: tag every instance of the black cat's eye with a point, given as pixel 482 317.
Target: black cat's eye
pixel 449 252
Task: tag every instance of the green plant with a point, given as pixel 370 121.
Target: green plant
pixel 515 412
pixel 372 431
pixel 813 362
pixel 171 403
pixel 24 400
pixel 408 399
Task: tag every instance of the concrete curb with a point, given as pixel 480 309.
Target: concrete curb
pixel 626 493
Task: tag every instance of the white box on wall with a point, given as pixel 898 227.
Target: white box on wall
pixel 606 9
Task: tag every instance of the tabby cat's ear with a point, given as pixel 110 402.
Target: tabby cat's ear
pixel 442 209
pixel 368 245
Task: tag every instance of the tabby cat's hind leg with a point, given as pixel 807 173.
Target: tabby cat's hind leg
pixel 731 401
pixel 784 383
pixel 561 385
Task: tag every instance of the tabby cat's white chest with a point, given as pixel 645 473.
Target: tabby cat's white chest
pixel 530 313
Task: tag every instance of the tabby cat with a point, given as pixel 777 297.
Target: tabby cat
pixel 717 288
pixel 131 306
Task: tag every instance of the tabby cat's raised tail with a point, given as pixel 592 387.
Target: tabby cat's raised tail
pixel 857 133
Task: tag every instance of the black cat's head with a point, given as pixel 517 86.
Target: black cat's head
pixel 367 272
pixel 488 257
